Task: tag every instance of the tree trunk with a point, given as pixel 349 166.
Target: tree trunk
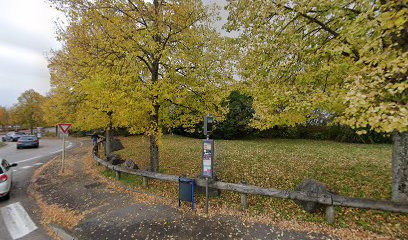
pixel 154 146
pixel 154 122
pixel 108 136
pixel 154 154
pixel 400 167
pixel 108 142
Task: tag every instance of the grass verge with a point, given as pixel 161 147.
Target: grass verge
pixel 354 170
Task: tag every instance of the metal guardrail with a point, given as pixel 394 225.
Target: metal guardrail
pixel 330 200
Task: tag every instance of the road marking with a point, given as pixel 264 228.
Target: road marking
pixel 17 221
pixel 58 151
pixel 38 164
pixel 51 153
pixel 29 159
pixel 25 167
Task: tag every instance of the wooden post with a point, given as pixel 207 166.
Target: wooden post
pixel 145 182
pixel 117 175
pixel 244 198
pixel 330 214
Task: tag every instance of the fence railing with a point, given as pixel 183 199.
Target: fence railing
pixel 329 200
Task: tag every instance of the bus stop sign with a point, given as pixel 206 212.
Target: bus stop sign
pixel 208 158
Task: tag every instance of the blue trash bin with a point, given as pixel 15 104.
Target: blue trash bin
pixel 186 190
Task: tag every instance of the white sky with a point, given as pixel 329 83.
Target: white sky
pixel 27 34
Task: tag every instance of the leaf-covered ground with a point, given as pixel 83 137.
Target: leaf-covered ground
pixel 355 170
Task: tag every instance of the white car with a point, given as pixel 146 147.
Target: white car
pixel 6 176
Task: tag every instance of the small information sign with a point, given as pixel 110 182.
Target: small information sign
pixel 208 158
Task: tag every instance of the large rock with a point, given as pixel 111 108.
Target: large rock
pixel 130 164
pixel 312 187
pixel 117 145
pixel 114 159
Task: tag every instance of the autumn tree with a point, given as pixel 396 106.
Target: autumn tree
pixel 4 116
pixel 85 85
pixel 152 65
pixel 348 58
pixel 28 110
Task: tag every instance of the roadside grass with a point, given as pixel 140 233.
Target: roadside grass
pixel 2 144
pixel 354 170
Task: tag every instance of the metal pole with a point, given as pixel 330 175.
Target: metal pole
pixel 63 152
pixel 192 195
pixel 206 195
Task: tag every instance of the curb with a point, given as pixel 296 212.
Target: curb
pixel 61 233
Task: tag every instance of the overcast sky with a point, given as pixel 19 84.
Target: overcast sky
pixel 27 34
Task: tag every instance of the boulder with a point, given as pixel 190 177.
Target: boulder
pixel 312 187
pixel 114 159
pixel 130 164
pixel 117 145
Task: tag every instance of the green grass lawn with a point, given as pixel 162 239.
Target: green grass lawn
pixel 354 170
pixel 2 144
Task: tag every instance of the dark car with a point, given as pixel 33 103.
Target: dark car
pixel 28 141
pixel 12 136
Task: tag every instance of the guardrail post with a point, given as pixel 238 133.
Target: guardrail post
pixel 117 175
pixel 145 182
pixel 244 198
pixel 330 214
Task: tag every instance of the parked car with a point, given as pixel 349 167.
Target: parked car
pixel 12 136
pixel 28 141
pixel 6 177
pixel 7 136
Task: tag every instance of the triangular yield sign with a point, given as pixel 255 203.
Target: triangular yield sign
pixel 64 127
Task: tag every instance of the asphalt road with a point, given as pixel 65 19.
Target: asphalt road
pixel 18 219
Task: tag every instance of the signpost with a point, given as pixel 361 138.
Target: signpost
pixel 208 157
pixel 64 129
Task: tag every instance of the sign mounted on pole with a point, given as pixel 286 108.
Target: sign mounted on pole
pixel 64 127
pixel 208 158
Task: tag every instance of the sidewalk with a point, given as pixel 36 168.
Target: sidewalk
pixel 89 207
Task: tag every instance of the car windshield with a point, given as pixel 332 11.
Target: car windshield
pixel 20 133
pixel 28 138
